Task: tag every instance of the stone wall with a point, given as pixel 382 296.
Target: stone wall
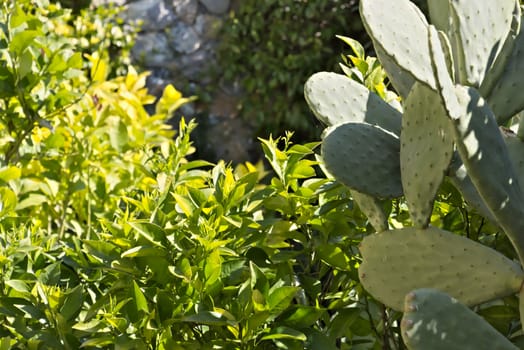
pixel 177 43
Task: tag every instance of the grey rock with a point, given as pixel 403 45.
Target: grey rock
pixel 152 49
pixel 230 139
pixel 154 14
pixel 184 38
pixel 97 3
pixel 158 80
pixel 188 110
pixel 208 26
pixel 186 10
pixel 218 7
pixel 191 66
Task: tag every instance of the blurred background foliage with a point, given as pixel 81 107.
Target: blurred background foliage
pixel 272 46
pixel 112 235
pixel 269 48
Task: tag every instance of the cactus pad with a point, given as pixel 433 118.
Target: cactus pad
pixel 506 98
pixel 505 53
pixel 439 14
pixel 516 154
pixel 440 64
pixel 459 177
pixel 426 148
pixel 399 31
pixel 400 78
pixel 372 208
pixel 485 155
pixel 398 261
pixel 336 99
pixel 435 321
pixel 480 29
pixel 364 157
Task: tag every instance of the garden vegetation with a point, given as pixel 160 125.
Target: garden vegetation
pixel 113 236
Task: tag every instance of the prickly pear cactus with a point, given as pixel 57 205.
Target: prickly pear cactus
pixel 398 261
pixel 435 321
pixel 460 79
pixel 426 148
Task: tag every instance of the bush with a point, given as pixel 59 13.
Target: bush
pixel 112 237
pixel 271 45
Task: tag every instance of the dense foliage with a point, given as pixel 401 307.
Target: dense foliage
pixel 271 45
pixel 113 237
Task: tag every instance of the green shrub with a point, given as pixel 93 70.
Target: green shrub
pixel 271 45
pixel 112 237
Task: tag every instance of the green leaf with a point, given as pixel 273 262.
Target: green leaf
pixel 280 298
pixel 22 40
pixel 303 170
pixel 317 340
pixel 185 204
pixel 357 48
pixel 150 231
pixel 10 173
pixel 57 65
pixel 34 199
pixel 7 201
pixel 26 64
pixel 210 318
pixel 143 251
pixel 212 269
pixel 183 270
pixel 104 250
pixel 5 343
pixel 98 342
pixel 285 333
pixel 18 17
pixel 50 275
pixel 75 61
pixel 334 256
pixel 303 316
pixel 139 299
pixel 499 316
pixel 258 279
pixel 18 285
pixel 90 327
pixel 74 298
pixel 118 136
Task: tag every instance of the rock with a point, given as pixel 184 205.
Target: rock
pixel 208 26
pixel 191 66
pixel 228 139
pixel 225 105
pixel 152 50
pixel 218 7
pixel 184 38
pixel 154 14
pixel 158 80
pixel 97 3
pixel 186 10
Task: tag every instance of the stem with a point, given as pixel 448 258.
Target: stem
pixel 13 148
pixel 372 324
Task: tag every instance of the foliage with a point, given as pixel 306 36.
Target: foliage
pixel 271 45
pixel 366 70
pixel 111 237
